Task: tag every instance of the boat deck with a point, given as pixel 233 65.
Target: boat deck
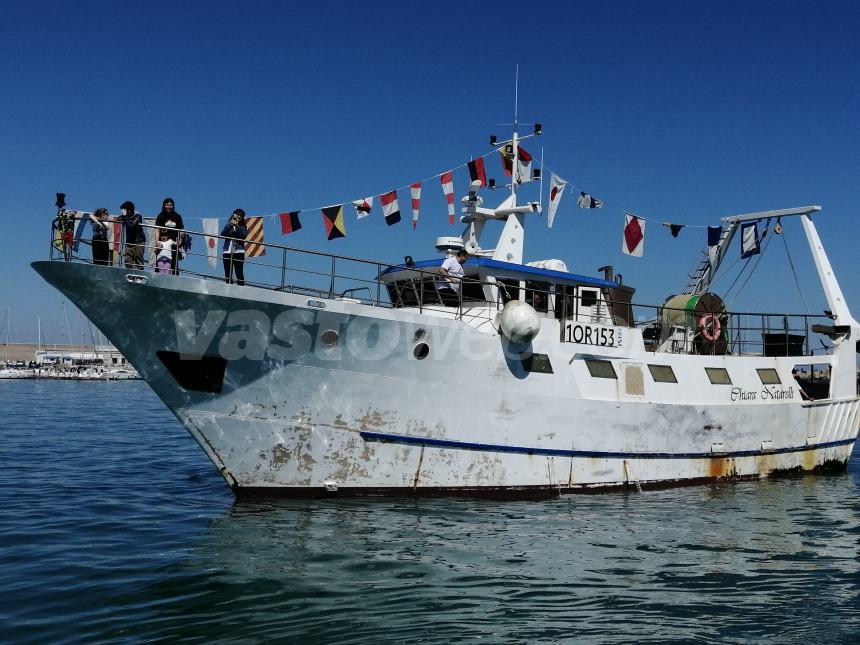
pixel 328 276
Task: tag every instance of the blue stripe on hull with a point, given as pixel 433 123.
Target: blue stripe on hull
pixel 555 452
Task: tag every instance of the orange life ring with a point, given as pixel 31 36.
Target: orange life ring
pixel 710 328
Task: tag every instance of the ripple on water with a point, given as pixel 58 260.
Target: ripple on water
pixel 115 527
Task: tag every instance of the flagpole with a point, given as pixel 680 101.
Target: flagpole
pixel 516 159
pixel 540 194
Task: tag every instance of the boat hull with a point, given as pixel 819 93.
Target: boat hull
pixel 322 397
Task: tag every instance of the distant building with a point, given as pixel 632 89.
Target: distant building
pixel 99 355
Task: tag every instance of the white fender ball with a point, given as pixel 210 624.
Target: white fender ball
pixel 519 322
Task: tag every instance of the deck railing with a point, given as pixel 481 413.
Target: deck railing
pixel 328 276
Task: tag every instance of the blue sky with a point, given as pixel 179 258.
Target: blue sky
pixel 677 111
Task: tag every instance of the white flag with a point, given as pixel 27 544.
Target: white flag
pixel 749 239
pixel 363 207
pixel 556 188
pixel 210 231
pixel 149 232
pixel 524 166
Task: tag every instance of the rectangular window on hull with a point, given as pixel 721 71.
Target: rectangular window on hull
pixel 537 363
pixel 600 369
pixel 769 376
pixel 662 373
pixel 718 375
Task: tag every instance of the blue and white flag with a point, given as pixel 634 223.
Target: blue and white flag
pixel 81 220
pixel 749 239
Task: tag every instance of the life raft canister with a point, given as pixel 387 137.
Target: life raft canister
pixel 710 327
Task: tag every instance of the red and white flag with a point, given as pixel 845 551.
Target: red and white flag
pixel 362 207
pixel 634 235
pixel 556 189
pixel 390 207
pixel 447 179
pixel 210 232
pixel 524 166
pixel 416 202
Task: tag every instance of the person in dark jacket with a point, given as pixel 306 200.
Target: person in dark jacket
pixel 171 221
pixel 233 250
pixel 101 246
pixel 135 239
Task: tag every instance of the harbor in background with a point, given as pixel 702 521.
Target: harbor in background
pixel 71 362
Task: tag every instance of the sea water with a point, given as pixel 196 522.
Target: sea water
pixel 115 527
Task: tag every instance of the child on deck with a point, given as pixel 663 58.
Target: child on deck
pixel 164 248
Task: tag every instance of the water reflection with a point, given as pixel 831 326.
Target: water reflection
pixel 752 559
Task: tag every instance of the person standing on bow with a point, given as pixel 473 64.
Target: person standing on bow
pixel 135 239
pixel 233 250
pixel 171 221
pixel 101 249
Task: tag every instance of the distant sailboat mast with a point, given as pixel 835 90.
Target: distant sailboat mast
pixel 8 318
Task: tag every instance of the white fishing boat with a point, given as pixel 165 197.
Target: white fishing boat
pixel 532 381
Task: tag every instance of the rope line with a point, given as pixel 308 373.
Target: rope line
pixel 794 273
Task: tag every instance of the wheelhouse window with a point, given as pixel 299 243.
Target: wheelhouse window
pixel 600 369
pixel 508 290
pixel 473 290
pixel 564 302
pixel 587 297
pixel 662 373
pixel 424 290
pixel 718 375
pixel 537 295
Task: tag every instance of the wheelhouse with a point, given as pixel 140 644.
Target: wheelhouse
pixel 492 283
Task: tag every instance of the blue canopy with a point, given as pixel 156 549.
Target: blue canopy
pixel 504 270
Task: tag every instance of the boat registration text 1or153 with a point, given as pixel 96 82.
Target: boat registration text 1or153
pixel 592 335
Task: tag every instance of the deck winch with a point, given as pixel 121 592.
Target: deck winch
pixel 703 315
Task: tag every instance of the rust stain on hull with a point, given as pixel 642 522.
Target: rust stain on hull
pixel 809 459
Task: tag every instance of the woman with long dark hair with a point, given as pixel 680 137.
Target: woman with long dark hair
pixel 171 222
pixel 233 250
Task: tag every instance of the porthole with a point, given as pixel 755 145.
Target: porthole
pixel 329 337
pixel 421 351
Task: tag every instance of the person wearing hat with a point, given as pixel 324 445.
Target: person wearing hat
pixel 135 239
pixel 171 222
pixel 233 250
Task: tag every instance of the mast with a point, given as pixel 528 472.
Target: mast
pixel 68 327
pixel 8 325
pixel 516 161
pixel 510 245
